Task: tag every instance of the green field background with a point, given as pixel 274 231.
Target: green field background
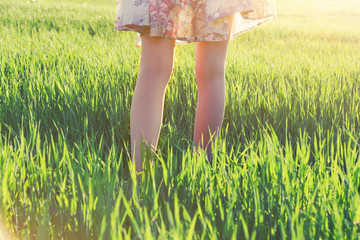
pixel 286 164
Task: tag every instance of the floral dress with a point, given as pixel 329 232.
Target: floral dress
pixel 192 20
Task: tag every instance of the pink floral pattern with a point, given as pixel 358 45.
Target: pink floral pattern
pixel 192 20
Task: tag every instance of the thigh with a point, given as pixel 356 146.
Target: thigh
pixel 210 57
pixel 157 53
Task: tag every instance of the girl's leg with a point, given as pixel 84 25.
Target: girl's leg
pixel 210 74
pixel 148 99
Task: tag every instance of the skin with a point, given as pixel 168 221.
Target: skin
pixel 210 77
pixel 147 105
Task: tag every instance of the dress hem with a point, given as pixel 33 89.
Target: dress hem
pixel 187 41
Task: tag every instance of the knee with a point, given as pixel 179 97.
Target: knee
pixel 157 73
pixel 209 74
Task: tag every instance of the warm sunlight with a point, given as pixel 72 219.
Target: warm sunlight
pixel 315 15
pixel 4 235
pixel 321 8
pixel 249 131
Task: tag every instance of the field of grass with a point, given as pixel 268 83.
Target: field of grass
pixel 286 164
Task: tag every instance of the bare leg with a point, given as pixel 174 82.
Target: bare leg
pixel 210 74
pixel 148 99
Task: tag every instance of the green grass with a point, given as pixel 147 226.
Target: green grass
pixel 286 162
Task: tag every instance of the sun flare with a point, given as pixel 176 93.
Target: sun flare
pixel 343 16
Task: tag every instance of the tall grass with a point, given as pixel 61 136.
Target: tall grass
pixel 285 164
